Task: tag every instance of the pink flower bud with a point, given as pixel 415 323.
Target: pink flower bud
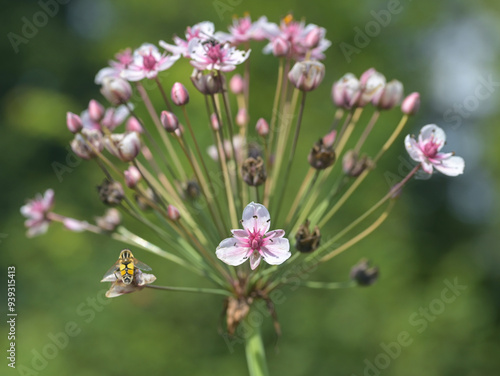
pixel 179 131
pixel 390 96
pixel 179 94
pixel 80 145
pixel 307 75
pixel 345 90
pixel 73 122
pixel 329 139
pixel 132 176
pixel 116 90
pixel 242 118
pixel 133 125
pixel 262 127
pixel 96 110
pixel 237 85
pixel 280 47
pixel 372 83
pixel 411 104
pixel 173 213
pixel 313 38
pixel 214 121
pixel 129 147
pixel 169 121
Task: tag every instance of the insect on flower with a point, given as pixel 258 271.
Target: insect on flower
pixel 126 266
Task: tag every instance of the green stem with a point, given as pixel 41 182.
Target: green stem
pixel 192 289
pixel 255 352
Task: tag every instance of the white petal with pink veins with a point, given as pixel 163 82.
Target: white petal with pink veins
pixel 231 253
pixel 276 252
pixel 256 218
pixel 413 149
pixel 453 166
pixel 434 133
pixel 255 260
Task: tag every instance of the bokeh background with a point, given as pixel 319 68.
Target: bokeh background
pixel 444 229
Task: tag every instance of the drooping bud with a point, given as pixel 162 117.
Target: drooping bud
pixel 179 94
pixel 306 240
pixel 169 121
pixel 363 274
pixel 236 84
pixel 321 156
pixel 411 104
pixel 307 75
pixel 116 90
pixel 353 165
pixel 192 189
pixel 242 118
pixel 96 110
pixel 313 38
pixel 173 213
pixel 80 144
pixel 73 122
pixel 345 90
pixel 132 176
pixel 280 47
pixel 262 127
pixel 253 171
pixel 110 220
pixel 111 192
pixel 133 125
pixel 390 96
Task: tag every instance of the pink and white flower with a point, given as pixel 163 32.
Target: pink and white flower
pixel 147 63
pixel 215 56
pixel 244 30
pixel 255 241
pixel 36 211
pixel 123 60
pixel 203 31
pixel 426 151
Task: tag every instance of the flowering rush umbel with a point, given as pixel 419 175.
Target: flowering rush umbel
pixel 214 200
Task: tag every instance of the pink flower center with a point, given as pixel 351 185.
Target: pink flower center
pixel 149 62
pixel 214 53
pixel 255 240
pixel 431 147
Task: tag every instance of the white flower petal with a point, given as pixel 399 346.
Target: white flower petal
pixel 412 148
pixel 432 131
pixel 240 233
pixel 427 166
pixel 255 260
pixel 256 218
pixel 231 253
pixel 452 166
pixel 277 252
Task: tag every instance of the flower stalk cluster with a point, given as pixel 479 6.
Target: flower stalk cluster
pixel 159 165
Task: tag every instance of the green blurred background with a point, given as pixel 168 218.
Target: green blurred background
pixel 441 230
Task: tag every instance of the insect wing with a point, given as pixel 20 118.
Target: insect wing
pixel 141 265
pixel 110 275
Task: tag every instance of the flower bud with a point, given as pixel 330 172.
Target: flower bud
pixel 363 274
pixel 125 146
pixel 179 94
pixel 169 121
pixel 111 192
pixel 313 38
pixel 353 165
pixel 214 121
pixel 307 75
pixel 321 156
pixel 80 144
pixel 390 96
pixel 262 127
pixel 372 82
pixel 116 90
pixel 345 90
pixel 329 139
pixel 110 220
pixel 307 241
pixel 411 104
pixel 253 171
pixel 173 213
pixel 133 125
pixel 280 47
pixel 73 122
pixel 132 176
pixel 205 83
pixel 242 118
pixel 179 131
pixel 236 84
pixel 96 110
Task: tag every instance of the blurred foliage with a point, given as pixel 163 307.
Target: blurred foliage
pixel 442 229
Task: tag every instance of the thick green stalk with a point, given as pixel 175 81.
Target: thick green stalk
pixel 255 352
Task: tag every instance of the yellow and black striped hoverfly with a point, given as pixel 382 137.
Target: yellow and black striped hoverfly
pixel 126 266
